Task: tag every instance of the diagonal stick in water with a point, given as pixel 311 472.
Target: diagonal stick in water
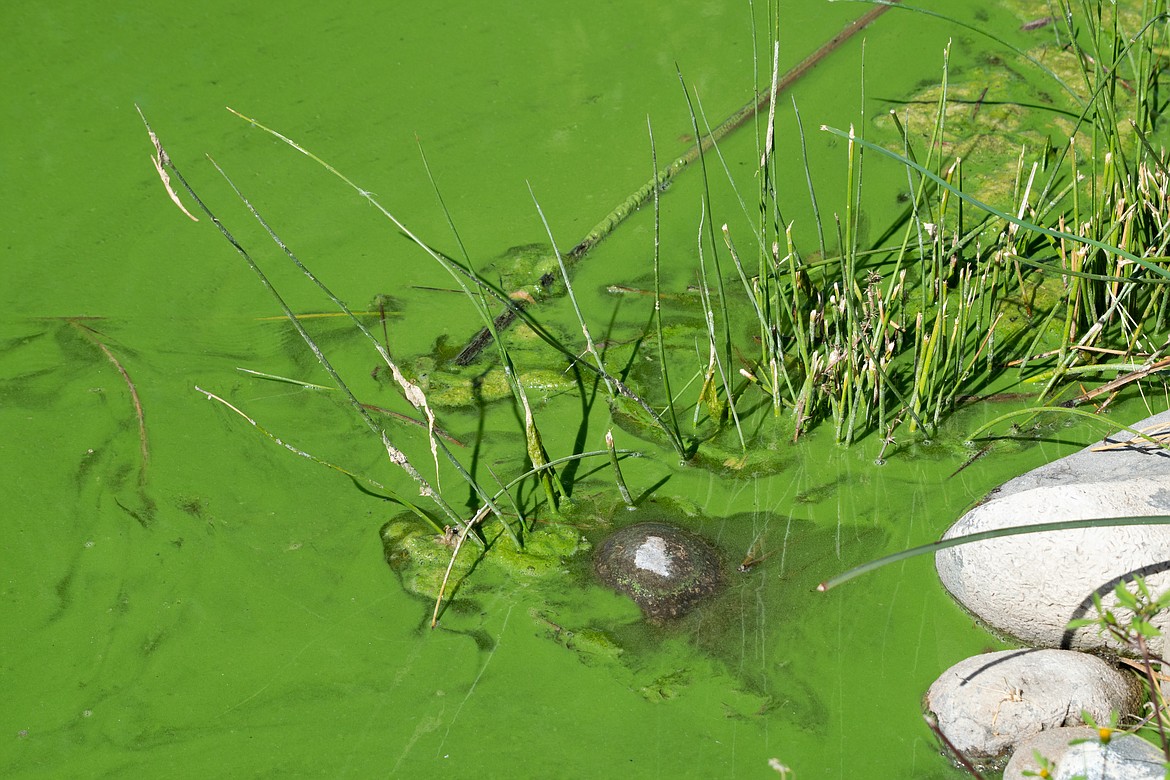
pixel 647 191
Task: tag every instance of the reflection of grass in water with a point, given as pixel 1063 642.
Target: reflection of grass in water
pixel 144 509
pixel 94 337
pixel 84 349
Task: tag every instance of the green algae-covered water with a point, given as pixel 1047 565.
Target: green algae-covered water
pixel 201 602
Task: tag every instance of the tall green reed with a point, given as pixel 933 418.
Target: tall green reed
pixel 897 334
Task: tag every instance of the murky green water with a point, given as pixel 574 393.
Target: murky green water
pixel 225 609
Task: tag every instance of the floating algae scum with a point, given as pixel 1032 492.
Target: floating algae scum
pixel 1062 278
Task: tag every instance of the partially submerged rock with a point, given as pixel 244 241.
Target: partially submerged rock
pixel 666 571
pixel 1050 744
pixel 1124 757
pixel 1029 587
pixel 988 704
pixel 1082 751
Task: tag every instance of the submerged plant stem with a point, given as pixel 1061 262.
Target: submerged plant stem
pixel 91 335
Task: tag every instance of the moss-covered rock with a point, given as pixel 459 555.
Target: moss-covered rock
pixel 666 571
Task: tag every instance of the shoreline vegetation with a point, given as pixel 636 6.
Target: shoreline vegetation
pixel 1055 279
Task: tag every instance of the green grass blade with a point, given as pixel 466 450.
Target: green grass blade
pixel 1023 223
pixel 1015 530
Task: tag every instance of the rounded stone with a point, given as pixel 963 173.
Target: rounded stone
pixel 665 570
pixel 1124 757
pixel 988 704
pixel 1029 587
pixel 1081 751
pixel 1051 744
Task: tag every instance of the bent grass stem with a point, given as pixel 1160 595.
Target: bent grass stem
pixel 1015 530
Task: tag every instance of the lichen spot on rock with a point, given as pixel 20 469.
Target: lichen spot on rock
pixel 652 556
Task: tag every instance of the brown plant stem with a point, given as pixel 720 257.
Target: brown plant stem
pixel 91 335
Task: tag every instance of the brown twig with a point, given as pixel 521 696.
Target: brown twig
pixel 1119 382
pixel 932 722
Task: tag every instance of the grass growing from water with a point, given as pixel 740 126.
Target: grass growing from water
pixel 542 470
pixel 451 527
pixel 1064 281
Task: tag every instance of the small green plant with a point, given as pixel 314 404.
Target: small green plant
pixel 1131 623
pixel 1045 768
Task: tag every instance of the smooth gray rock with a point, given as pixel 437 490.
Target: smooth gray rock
pixel 988 704
pixel 1052 744
pixel 1029 587
pixel 1124 757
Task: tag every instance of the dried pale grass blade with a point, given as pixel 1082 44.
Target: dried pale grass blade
pixel 161 160
pixel 483 512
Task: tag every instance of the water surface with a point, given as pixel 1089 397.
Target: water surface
pixel 224 608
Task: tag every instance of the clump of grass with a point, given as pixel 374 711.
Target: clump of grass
pixel 451 527
pixel 876 338
pixel 410 391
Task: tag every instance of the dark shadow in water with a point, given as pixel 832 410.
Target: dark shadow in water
pixel 760 630
pixel 588 398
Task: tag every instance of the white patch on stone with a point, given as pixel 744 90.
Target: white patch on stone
pixel 652 556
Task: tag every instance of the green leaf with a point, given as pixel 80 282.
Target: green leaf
pixel 1125 597
pixel 1146 629
pixel 1082 622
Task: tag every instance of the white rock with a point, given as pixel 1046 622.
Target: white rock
pixel 1124 757
pixel 1051 744
pixel 1030 586
pixel 987 704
